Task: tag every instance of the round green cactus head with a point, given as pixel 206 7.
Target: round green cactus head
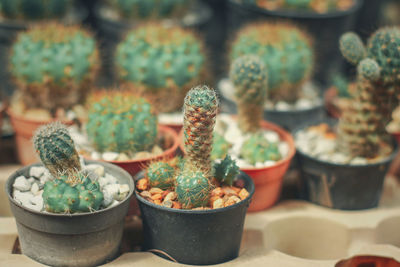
pixel 369 69
pixel 193 189
pixel 203 98
pixel 56 148
pixel 161 175
pixel 258 149
pixel 34 9
pixel 285 50
pixel 383 47
pixel 121 121
pixel 352 47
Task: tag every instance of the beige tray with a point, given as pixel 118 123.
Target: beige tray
pixel 294 233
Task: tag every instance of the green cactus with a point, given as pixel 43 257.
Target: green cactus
pixel 341 83
pixel 54 65
pixel 34 9
pixel 319 6
pixel 149 9
pixel 200 111
pixel 163 62
pixel 258 149
pixel 352 47
pixel 120 121
pixel 249 76
pixel 56 148
pixel 226 171
pixel 161 175
pixel 286 52
pixel 369 69
pixel 193 189
pixel 220 147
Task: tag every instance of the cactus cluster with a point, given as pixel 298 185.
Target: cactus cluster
pixel 149 9
pixel 54 65
pixel 375 94
pixel 34 9
pixel 258 149
pixel 286 52
pixel 120 121
pixel 162 62
pixel 71 191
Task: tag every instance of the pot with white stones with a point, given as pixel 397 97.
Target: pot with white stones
pixel 67 216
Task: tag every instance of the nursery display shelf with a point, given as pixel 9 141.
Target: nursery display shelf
pixel 294 233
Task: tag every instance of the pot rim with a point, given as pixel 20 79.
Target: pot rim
pixel 290 14
pixel 241 175
pixel 283 134
pixel 49 214
pixel 22 118
pixel 333 164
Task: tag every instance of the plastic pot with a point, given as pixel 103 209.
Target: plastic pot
pixel 83 239
pixel 198 237
pixel 24 129
pixel 342 186
pixel 326 29
pixel 267 180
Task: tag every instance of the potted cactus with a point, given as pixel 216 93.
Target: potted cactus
pixel 66 207
pixel 360 151
pixel 192 198
pixel 288 56
pixel 54 67
pixel 325 20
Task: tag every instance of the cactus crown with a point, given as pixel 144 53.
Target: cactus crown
pixel 203 98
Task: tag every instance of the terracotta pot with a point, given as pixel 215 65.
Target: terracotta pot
pixel 268 180
pixel 177 127
pixel 24 129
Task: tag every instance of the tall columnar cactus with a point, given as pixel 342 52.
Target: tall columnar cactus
pixel 258 149
pixel 121 121
pixel 56 148
pixel 70 191
pixel 249 76
pixel 54 65
pixel 200 111
pixel 163 62
pixel 375 95
pixel 150 9
pixel 34 9
pixel 286 52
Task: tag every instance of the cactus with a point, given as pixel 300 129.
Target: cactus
pixel 56 148
pixel 193 189
pixel 149 9
pixel 54 65
pixel 258 149
pixel 121 121
pixel 34 9
pixel 362 126
pixel 249 76
pixel 161 175
pixel 286 52
pixel 163 62
pixel 220 147
pixel 200 111
pixel 226 171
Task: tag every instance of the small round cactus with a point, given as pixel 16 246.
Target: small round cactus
pixel 369 69
pixel 258 149
pixel 352 47
pixel 193 189
pixel 226 171
pixel 34 9
pixel 120 121
pixel 56 148
pixel 161 175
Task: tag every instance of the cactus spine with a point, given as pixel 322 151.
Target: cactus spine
pixel 34 9
pixel 226 170
pixel 161 175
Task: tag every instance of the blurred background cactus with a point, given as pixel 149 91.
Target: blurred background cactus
pixel 121 121
pixel 34 9
pixel 258 149
pixel 286 52
pixel 162 62
pixel 54 66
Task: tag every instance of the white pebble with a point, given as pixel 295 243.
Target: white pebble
pixel 109 156
pixel 271 136
pixel 35 188
pixel 71 115
pixel 337 158
pixel 110 192
pixel 82 161
pixel 22 184
pixel 283 148
pixel 95 155
pixel 359 161
pixel 96 168
pixel 124 189
pixel 259 164
pixel 102 182
pixel 22 197
pixel 303 103
pixel 33 207
pixel 37 201
pixel 170 118
pixel 243 164
pixel 31 180
pixel 282 106
pixel 111 179
pixel 269 163
pixel 114 203
pixel 37 172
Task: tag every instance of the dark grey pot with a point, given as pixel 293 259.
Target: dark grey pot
pixel 84 239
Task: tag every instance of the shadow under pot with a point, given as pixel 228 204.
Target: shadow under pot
pixel 342 186
pixel 198 237
pixel 79 239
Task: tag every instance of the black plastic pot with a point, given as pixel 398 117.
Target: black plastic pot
pixel 198 237
pixel 325 28
pixel 342 186
pixel 81 239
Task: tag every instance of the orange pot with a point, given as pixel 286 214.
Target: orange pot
pixel 177 127
pixel 24 129
pixel 267 180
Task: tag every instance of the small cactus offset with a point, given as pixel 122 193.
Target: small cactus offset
pixel 200 111
pixel 149 9
pixel 226 171
pixel 56 148
pixel 193 189
pixel 120 121
pixel 34 9
pixel 161 175
pixel 286 52
pixel 162 62
pixel 54 65
pixel 258 149
pixel 249 76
